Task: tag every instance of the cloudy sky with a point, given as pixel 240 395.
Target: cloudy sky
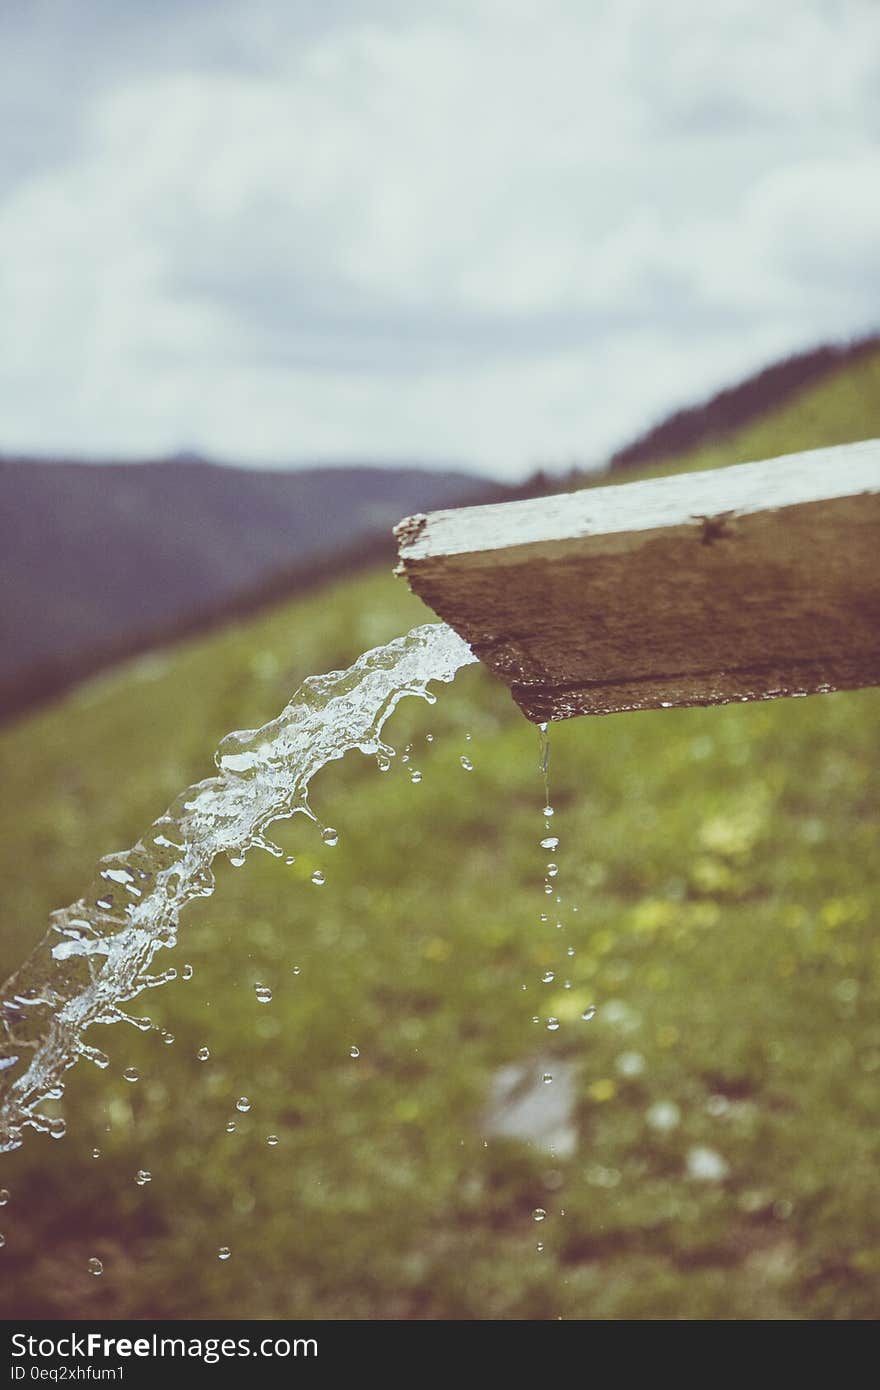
pixel 489 231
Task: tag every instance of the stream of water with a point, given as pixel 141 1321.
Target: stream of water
pixel 98 953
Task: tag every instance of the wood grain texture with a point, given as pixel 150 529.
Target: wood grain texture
pixel 743 583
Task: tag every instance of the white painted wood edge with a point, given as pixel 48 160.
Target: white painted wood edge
pixel 658 503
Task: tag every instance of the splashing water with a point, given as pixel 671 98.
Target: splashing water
pixel 98 952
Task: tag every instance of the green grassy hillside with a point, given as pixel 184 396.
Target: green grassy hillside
pixel 717 902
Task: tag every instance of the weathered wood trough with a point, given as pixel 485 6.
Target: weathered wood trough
pixel 743 583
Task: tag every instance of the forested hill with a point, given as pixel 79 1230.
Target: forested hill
pixel 737 406
pixel 97 558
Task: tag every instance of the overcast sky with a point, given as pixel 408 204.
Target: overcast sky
pixel 492 232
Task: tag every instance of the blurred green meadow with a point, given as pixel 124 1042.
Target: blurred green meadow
pixel 717 906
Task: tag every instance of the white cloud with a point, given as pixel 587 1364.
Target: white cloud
pixel 496 232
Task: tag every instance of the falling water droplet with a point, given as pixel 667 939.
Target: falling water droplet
pixel 383 762
pixel 589 1013
pixel 95 1266
pixel 540 1247
pixel 415 777
pixel 168 1039
pixel 143 1177
pixel 263 993
pixel 319 877
pixel 243 1104
pixel 354 1052
pixel 131 1074
pixel 297 970
pixel 289 859
pixel 230 1126
pixel 552 1025
pixel 548 811
pixel 547 1078
pixel 538 1214
pixel 4 1196
pixel 548 977
pixel 96 1056
pixel 2 1241
pixel 466 763
pixel 96 1153
pixel 187 972
pixel 272 1140
pixel 330 836
pixel 224 1252
pixel 570 951
pixel 203 1054
pixel 552 870
pixel 237 860
pixel 550 842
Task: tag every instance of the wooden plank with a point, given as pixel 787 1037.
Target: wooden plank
pixel 743 583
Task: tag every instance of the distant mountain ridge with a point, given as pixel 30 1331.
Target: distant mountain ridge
pixel 100 559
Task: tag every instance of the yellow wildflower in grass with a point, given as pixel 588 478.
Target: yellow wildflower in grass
pixel 602 1090
pixel 653 914
pixel 568 1005
pixel 839 912
pixel 732 836
pixel 437 950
